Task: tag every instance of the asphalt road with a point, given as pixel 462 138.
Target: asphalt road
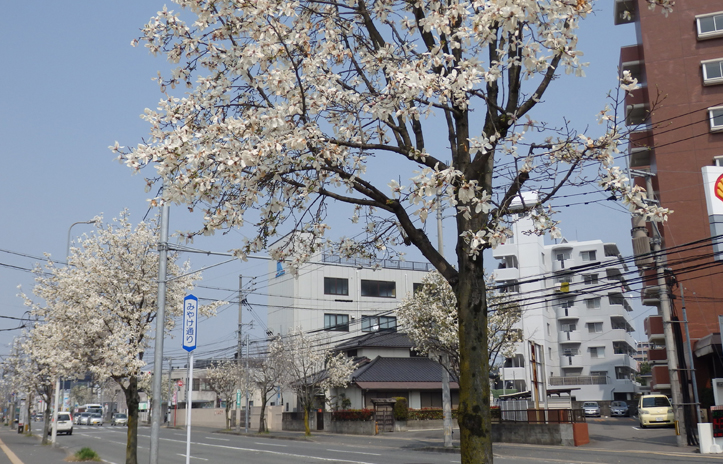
pixel 612 441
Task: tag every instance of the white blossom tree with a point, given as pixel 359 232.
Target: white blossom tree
pixel 224 378
pixel 108 294
pixel 294 107
pixel 311 370
pixel 265 376
pixel 430 318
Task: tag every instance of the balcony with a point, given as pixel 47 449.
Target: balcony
pixel 574 361
pixel 579 380
pixel 570 337
pixel 507 273
pixel 651 294
pixel 657 356
pixel 513 373
pixel 623 341
pixel 624 12
pixel 660 378
pixel 654 329
pixel 567 313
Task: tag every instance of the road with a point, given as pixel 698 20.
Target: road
pixel 612 441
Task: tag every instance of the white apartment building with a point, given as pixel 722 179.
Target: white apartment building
pixel 344 297
pixel 574 303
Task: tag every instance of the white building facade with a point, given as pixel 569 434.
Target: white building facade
pixel 575 310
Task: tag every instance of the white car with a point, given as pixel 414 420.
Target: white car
pixel 95 419
pixel 65 423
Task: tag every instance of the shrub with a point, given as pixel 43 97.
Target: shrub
pixel 401 409
pixel 86 454
pixel 429 414
pixel 353 415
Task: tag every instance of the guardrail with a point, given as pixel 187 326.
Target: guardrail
pixel 543 416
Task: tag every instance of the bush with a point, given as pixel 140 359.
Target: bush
pixel 429 414
pixel 86 454
pixel 353 415
pixel 401 409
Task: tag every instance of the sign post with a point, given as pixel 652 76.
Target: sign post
pixel 190 316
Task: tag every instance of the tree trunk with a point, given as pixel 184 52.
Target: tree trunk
pixel 307 432
pixel 46 423
pixel 228 419
pixel 132 400
pixel 28 416
pixel 262 414
pixel 474 402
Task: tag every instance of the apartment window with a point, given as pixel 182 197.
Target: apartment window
pixel 562 255
pixel 548 328
pixel 336 322
pixel 599 373
pixel 564 278
pixel 712 72
pixel 592 303
pixel 595 327
pixel 567 304
pixel 377 323
pixel 597 351
pixel 416 287
pixel 380 288
pixel 508 286
pixel 716 118
pixel 710 25
pixel 718 161
pixel 549 350
pixel 568 327
pixel 588 255
pixel 336 286
pixel 589 279
pixel 570 352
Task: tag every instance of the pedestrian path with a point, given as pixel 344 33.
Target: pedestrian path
pixel 18 448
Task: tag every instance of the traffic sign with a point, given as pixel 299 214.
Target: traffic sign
pixel 238 398
pixel 190 313
pixel 180 382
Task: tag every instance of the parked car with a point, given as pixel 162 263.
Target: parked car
pixel 591 408
pixel 654 410
pixel 119 419
pixel 65 424
pixel 619 408
pixel 96 419
pixel 84 417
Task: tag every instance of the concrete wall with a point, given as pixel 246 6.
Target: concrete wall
pixel 216 418
pixel 534 434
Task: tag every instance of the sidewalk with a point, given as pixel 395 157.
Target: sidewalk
pixel 18 448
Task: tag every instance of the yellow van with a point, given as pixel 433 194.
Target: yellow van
pixel 654 410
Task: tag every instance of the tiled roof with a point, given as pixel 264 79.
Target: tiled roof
pixel 385 339
pixel 399 370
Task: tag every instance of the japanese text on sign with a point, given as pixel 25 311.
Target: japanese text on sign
pixel 190 313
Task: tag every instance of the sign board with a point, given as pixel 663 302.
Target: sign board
pixel 190 316
pixel 180 383
pixel 713 185
pixel 238 398
pixel 716 413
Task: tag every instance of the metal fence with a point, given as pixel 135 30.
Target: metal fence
pixel 384 263
pixel 543 416
pixel 579 380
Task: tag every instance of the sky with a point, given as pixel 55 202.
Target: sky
pixel 72 85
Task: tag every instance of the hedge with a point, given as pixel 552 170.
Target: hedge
pixel 353 415
pixel 429 414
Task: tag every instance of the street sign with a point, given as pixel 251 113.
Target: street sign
pixel 180 383
pixel 190 313
pixel 238 398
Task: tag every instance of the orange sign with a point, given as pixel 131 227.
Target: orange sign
pixel 719 188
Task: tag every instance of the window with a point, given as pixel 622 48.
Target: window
pixel 562 255
pixel 590 279
pixel 710 25
pixel 568 327
pixel 718 161
pixel 548 328
pixel 335 286
pixel 336 322
pixel 595 327
pixel 716 118
pixel 508 286
pixel 380 288
pixel 549 350
pixel 599 373
pixel 563 278
pixel 712 72
pixel 588 255
pixel 597 351
pixel 378 323
pixel 416 287
pixel 570 352
pixel 592 303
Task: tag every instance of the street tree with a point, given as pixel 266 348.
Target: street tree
pixel 224 378
pixel 266 376
pixel 311 369
pixel 295 109
pixel 108 293
pixel 430 318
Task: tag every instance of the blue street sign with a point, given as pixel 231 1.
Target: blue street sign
pixel 190 315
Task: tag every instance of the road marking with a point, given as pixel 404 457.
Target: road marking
pixel 255 450
pixel 192 457
pixel 269 444
pixel 214 438
pixel 13 458
pixel 354 452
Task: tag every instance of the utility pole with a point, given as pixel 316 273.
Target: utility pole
pixel 240 341
pixel 446 394
pixel 665 312
pixel 170 387
pixel 160 332
pixel 246 387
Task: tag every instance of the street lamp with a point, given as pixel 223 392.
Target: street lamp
pixel 57 380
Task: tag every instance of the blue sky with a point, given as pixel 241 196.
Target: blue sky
pixel 72 85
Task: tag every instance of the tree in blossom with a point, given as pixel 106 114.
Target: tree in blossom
pixel 266 375
pixel 430 319
pixel 293 107
pixel 108 294
pixel 311 370
pixel 224 378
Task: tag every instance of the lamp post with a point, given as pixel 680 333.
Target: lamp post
pixel 56 401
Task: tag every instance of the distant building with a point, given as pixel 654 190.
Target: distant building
pixel 575 312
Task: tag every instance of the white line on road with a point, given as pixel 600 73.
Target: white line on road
pixel 269 444
pixel 354 452
pixel 269 452
pixel 214 438
pixel 192 457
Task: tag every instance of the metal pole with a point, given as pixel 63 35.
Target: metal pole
pixel 240 344
pixel 668 330
pixel 246 387
pixel 170 387
pixel 160 332
pixel 690 356
pixel 189 406
pixel 446 393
